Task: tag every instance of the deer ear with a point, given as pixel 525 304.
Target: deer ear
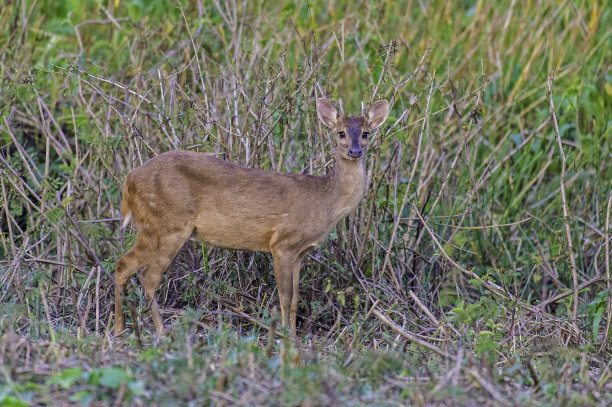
pixel 377 113
pixel 327 112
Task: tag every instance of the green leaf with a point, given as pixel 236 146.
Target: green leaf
pixel 597 321
pixel 459 314
pixel 83 397
pixel 12 401
pixel 485 344
pixel 66 378
pixel 476 282
pixel 112 377
pixel 134 11
pixel 137 387
pixel 596 310
pixel 341 298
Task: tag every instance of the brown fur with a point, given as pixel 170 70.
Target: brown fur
pixel 181 194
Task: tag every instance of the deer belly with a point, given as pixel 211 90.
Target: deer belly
pixel 251 233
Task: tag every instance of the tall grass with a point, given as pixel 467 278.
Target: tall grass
pixel 475 271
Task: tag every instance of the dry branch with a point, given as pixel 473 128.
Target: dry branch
pixel 409 336
pixel 568 233
pixel 607 255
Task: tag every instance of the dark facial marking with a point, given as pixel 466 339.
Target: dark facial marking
pixel 354 127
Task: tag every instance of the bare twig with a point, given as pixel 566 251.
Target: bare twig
pixel 495 289
pixel 568 233
pixel 409 336
pixel 485 384
pixel 405 198
pixel 566 294
pixel 607 255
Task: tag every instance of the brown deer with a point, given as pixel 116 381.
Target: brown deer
pixel 182 194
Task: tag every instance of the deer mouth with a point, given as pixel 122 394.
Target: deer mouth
pixel 350 157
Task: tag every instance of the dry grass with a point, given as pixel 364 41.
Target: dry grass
pixel 476 271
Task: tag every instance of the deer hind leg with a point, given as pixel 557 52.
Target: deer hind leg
pixel 150 277
pixel 125 268
pixel 284 265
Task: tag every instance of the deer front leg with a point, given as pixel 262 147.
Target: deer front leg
pixel 295 292
pixel 284 266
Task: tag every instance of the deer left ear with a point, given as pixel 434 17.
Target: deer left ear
pixel 377 113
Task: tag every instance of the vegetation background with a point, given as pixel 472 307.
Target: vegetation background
pixel 476 271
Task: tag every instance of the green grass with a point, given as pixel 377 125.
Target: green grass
pixel 453 283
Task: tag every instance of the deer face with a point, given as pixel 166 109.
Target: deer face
pixel 352 136
pixel 352 133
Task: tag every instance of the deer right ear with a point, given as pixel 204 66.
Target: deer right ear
pixel 327 112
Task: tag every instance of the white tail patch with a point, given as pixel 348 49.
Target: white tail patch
pixel 127 220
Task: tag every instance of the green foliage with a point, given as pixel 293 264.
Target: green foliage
pixel 486 346
pixel 66 378
pixel 8 400
pixel 106 379
pixel 596 311
pixel 91 89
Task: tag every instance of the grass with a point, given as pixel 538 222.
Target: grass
pixel 476 270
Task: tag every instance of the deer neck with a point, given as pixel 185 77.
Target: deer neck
pixel 349 183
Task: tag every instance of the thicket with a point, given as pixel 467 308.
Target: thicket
pixel 476 270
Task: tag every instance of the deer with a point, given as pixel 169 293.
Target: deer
pixel 179 195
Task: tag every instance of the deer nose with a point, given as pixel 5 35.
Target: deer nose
pixel 355 152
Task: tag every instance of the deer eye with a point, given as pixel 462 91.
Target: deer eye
pixel 341 134
pixel 365 134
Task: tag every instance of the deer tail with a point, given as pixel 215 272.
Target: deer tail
pixel 126 208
